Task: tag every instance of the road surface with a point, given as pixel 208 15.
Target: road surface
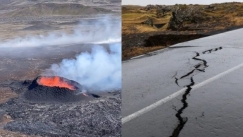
pixel 192 89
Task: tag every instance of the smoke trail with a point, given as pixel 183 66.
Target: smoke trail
pixel 98 71
pixel 101 30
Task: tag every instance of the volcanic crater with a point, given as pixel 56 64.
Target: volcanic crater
pixel 61 109
pixel 55 89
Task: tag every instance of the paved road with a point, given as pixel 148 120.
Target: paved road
pixel 193 89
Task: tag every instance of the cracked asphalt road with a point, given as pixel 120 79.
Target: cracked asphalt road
pixel 214 109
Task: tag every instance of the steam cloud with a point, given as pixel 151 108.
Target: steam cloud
pixel 98 31
pixel 96 71
pixel 99 70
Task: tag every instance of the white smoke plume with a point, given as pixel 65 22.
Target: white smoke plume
pixel 101 30
pixel 98 71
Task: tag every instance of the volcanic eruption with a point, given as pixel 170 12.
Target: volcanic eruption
pixel 55 81
pixel 60 101
pixel 55 89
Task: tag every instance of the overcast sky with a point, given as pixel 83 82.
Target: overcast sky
pixel 172 2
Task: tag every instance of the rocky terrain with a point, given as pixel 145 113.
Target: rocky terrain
pixel 19 117
pixel 98 117
pixel 143 27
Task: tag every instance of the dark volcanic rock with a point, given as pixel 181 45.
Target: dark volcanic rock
pixel 148 22
pixel 156 38
pixel 39 93
pixel 168 39
pixel 184 14
pixel 94 118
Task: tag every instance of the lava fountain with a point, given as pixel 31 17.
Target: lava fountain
pixel 55 81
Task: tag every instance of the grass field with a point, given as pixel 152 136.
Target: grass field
pixel 194 19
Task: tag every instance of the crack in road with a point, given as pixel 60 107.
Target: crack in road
pixel 210 50
pixel 203 65
pixel 182 121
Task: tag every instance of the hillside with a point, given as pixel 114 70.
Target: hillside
pixel 157 26
pixel 181 17
pixel 19 18
pixel 47 9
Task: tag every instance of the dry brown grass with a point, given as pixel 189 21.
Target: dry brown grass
pixel 136 51
pixel 238 20
pixel 132 20
pixel 226 13
pixel 216 17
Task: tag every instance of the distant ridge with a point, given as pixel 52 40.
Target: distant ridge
pixel 52 9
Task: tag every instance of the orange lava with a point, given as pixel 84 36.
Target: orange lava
pixel 54 82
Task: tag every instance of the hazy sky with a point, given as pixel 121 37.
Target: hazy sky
pixel 172 2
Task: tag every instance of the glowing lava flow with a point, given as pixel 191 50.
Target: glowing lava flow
pixel 54 81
